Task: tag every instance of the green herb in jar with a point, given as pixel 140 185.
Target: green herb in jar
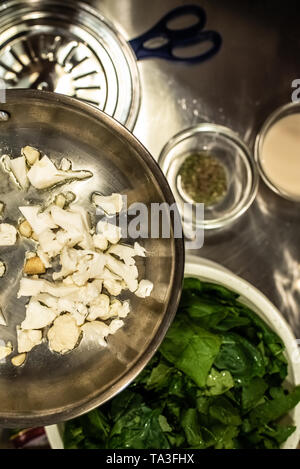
pixel 203 178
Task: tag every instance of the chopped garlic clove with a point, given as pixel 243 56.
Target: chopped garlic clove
pixel 8 234
pixel 34 266
pixel 27 339
pixel 60 200
pixel 31 154
pixel 25 229
pixel 70 197
pixel 18 360
pixel 64 334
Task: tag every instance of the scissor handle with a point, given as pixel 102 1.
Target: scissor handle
pixel 176 38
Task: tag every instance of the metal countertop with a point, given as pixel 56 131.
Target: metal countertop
pixel 239 87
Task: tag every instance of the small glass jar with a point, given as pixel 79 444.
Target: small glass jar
pixel 233 155
pixel 277 115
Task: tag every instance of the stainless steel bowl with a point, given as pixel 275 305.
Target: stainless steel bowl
pixel 51 388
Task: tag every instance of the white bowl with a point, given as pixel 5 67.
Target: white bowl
pixel 250 296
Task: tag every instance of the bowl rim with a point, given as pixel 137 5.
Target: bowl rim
pixel 23 418
pixel 233 138
pixel 275 116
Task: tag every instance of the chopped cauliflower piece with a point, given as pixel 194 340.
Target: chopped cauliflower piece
pixel 64 334
pixel 69 258
pixel 100 242
pixel 37 316
pixel 70 197
pixel 89 267
pixel 44 258
pixel 39 221
pixel 74 302
pixel 88 293
pixel 119 309
pixel 139 250
pixel 8 234
pixel 50 243
pixel 44 174
pixel 69 221
pixel 77 310
pixel 2 269
pixel 5 350
pixel 111 232
pixel 128 273
pixel 32 287
pixel 114 287
pixel 25 229
pixel 19 170
pixel 99 308
pixel 47 300
pixel 87 241
pixel 115 325
pixel 65 164
pixel 111 204
pixel 17 166
pixel 31 154
pixel 127 253
pixel 27 339
pixel 18 360
pixel 95 330
pixel 145 288
pixel 2 319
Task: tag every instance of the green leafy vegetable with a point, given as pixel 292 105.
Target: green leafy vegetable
pixel 216 382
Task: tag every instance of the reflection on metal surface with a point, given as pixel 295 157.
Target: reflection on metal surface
pixel 247 80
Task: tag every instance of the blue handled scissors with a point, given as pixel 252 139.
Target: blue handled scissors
pixel 178 38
